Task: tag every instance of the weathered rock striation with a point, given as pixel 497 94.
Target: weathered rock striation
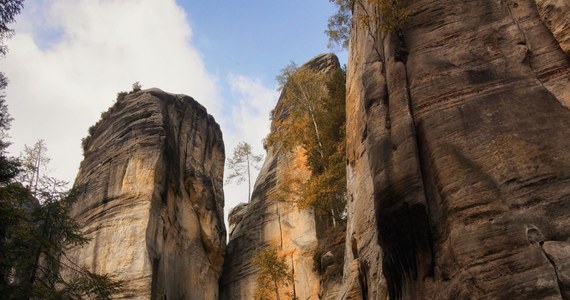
pixel 151 199
pixel 458 161
pixel 268 221
pixel 556 16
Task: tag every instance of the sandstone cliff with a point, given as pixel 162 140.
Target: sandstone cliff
pixel 150 197
pixel 268 221
pixel 458 161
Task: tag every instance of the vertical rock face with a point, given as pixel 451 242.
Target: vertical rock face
pixel 458 161
pixel 150 197
pixel 267 221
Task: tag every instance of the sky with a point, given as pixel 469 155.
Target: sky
pixel 70 58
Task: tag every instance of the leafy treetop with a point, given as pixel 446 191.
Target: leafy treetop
pixel 375 15
pixel 274 272
pixel 311 115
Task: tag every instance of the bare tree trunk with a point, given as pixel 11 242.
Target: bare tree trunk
pixel 311 111
pixel 46 232
pixel 293 276
pixel 276 289
pixel 317 133
pixel 248 180
pixel 280 228
pixel 37 171
pixel 333 217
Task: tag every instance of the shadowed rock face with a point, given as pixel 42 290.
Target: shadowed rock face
pixel 458 160
pixel 150 197
pixel 266 221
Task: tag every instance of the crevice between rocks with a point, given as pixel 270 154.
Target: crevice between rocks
pixel 420 154
pixel 406 234
pixel 556 273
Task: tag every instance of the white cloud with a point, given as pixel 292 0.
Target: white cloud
pixel 251 116
pixel 69 59
pixel 248 121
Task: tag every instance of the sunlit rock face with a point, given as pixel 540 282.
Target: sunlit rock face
pixel 267 221
pixel 151 200
pixel 458 160
pixel 556 16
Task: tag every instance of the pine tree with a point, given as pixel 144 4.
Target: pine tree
pixel 34 162
pixel 241 163
pixel 34 234
pixel 35 230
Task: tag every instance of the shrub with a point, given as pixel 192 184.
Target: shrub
pixel 121 95
pixel 137 87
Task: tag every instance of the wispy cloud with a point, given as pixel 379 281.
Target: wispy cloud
pixel 255 101
pixel 69 58
pixel 248 121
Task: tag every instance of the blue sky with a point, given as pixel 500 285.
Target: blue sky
pixel 69 59
pixel 259 37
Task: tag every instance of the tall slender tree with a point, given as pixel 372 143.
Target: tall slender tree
pixel 241 163
pixel 34 162
pixel 35 231
pixel 34 235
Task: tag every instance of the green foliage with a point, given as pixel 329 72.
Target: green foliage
pixel 393 15
pixel 137 87
pixel 121 96
pixel 274 272
pixel 376 15
pixel 240 165
pixel 35 236
pixel 8 11
pixel 35 228
pixel 35 231
pixel 85 142
pixel 312 117
pixel 338 27
pixel 286 73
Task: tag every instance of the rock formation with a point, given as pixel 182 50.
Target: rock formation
pixel 268 221
pixel 458 160
pixel 556 16
pixel 150 197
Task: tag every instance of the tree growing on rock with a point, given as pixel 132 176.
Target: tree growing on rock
pixel 313 118
pixel 274 272
pixel 241 163
pixel 377 15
